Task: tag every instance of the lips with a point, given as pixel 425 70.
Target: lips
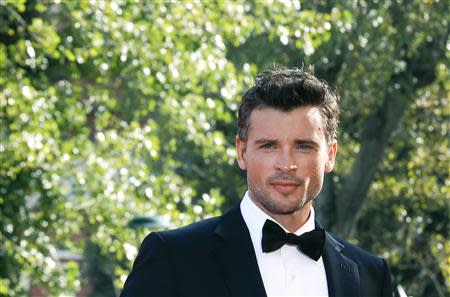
pixel 284 187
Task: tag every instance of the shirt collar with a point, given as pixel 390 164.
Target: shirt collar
pixel 255 218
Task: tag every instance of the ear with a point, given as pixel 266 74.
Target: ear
pixel 241 146
pixel 332 150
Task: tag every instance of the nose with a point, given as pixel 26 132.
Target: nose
pixel 286 163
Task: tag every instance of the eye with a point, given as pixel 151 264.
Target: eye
pixel 268 146
pixel 304 147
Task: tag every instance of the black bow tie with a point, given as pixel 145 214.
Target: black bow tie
pixel 309 243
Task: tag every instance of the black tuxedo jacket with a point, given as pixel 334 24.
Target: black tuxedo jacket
pixel 215 257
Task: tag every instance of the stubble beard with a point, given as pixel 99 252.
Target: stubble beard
pixel 262 197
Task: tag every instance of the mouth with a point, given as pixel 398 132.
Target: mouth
pixel 284 187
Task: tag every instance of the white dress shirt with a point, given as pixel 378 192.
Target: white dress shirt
pixel 285 272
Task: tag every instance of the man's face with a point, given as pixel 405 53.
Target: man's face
pixel 285 156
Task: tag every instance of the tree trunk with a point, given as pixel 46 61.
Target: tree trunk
pixel 324 205
pixel 99 272
pixel 379 127
pixel 375 135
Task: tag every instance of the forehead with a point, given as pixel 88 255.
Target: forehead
pixel 300 122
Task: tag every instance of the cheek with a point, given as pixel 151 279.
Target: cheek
pixel 259 168
pixel 312 164
pixel 318 176
pixel 314 169
pixel 260 161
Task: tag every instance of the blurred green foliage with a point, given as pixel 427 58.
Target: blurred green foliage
pixel 112 110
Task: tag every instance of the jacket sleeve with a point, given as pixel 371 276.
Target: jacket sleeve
pixel 387 282
pixel 151 274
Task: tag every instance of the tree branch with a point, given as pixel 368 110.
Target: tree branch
pixel 379 127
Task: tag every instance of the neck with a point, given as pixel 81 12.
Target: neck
pixel 292 221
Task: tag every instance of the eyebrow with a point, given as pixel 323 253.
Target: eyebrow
pixel 306 141
pixel 264 140
pixel 297 141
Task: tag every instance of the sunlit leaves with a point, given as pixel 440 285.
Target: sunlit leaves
pixel 117 109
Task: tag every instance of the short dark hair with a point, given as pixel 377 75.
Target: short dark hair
pixel 286 89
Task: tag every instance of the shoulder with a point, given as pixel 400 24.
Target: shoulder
pixel 203 231
pixel 185 237
pixel 358 254
pixel 374 271
pixel 355 251
pixel 192 231
pixel 164 256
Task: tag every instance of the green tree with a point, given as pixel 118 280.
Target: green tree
pixel 117 109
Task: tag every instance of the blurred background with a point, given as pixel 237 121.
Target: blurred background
pixel 118 118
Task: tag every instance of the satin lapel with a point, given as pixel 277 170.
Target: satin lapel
pixel 236 256
pixel 342 273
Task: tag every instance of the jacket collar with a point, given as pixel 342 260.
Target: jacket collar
pixel 236 255
pixel 342 272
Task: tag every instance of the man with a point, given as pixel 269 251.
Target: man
pixel 269 244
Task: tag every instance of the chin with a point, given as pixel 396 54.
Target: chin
pixel 287 208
